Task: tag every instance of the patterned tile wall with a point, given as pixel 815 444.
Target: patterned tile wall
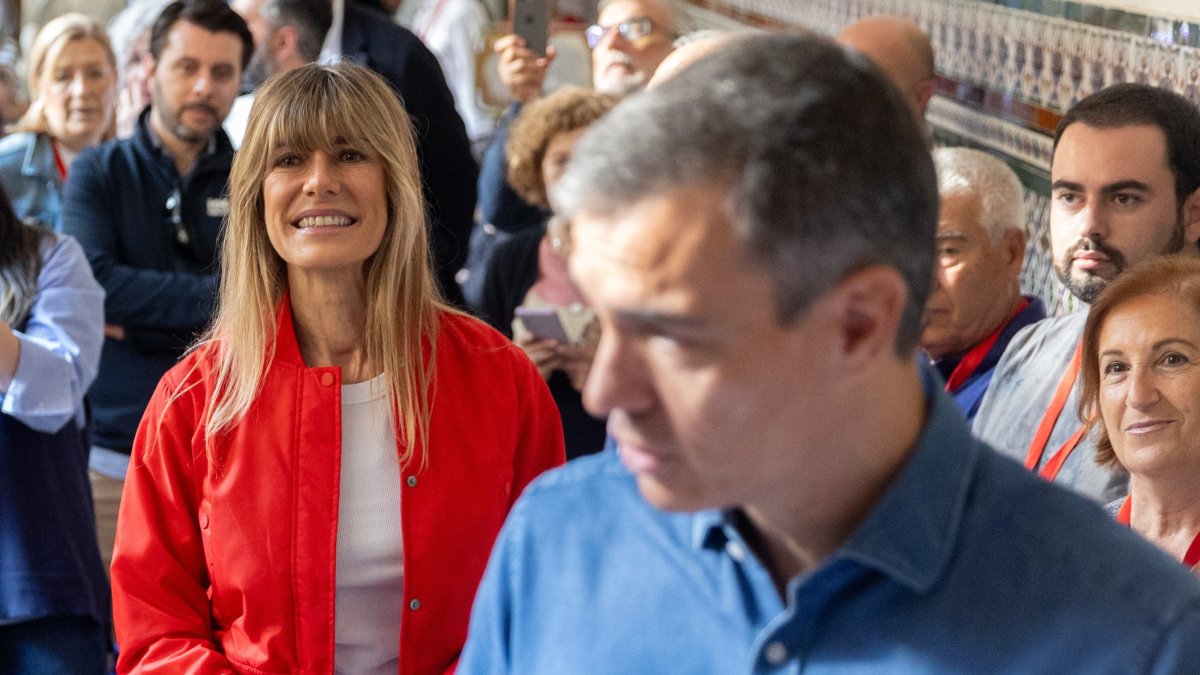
pixel 1007 69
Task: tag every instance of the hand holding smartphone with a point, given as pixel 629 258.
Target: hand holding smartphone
pixel 543 323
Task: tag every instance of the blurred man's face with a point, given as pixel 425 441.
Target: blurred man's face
pixel 706 394
pixel 620 64
pixel 976 280
pixel 1113 204
pixel 262 62
pixel 195 81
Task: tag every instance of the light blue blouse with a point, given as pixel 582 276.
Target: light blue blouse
pixel 60 342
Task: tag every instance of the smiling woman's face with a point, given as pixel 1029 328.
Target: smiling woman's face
pixel 1149 350
pixel 325 210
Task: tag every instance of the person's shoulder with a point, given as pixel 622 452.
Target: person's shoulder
pixel 599 486
pixel 599 469
pixel 470 346
pixel 459 331
pixel 62 251
pixel 1044 344
pixel 1072 550
pixel 102 158
pixel 1051 330
pixel 15 145
pixel 193 372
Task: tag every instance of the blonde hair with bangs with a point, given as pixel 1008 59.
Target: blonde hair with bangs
pixel 311 108
pixel 47 47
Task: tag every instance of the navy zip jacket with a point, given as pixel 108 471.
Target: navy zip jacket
pixel 151 238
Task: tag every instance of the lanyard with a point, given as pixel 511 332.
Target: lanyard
pixel 970 362
pixel 1038 447
pixel 58 163
pixel 1190 559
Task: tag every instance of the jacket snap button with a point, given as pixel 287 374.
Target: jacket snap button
pixel 411 481
pixel 204 521
pixel 326 379
pixel 414 604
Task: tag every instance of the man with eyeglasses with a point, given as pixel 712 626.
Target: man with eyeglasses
pixel 628 41
pixel 148 211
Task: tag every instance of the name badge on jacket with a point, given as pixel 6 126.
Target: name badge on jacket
pixel 217 208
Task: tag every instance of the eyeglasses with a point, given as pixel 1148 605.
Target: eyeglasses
pixel 631 29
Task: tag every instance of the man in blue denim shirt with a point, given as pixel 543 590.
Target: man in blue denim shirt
pixel 756 236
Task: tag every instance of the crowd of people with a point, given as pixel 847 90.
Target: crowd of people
pixel 715 365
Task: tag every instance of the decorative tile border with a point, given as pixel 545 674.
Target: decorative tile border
pixel 1006 71
pixel 1030 147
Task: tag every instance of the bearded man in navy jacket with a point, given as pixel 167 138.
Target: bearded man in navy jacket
pixel 148 211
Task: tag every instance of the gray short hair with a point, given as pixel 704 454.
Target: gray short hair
pixel 1000 195
pixel 310 18
pixel 828 170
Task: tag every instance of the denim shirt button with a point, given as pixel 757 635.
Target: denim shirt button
pixel 736 551
pixel 776 653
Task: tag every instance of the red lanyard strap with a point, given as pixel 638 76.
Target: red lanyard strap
pixel 1123 512
pixel 1038 447
pixel 1190 559
pixel 433 19
pixel 971 360
pixel 58 163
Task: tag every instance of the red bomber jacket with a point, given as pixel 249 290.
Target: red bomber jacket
pixel 229 567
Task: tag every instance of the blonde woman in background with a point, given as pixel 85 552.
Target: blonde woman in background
pixel 73 87
pixel 319 482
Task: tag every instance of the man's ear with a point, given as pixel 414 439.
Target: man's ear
pixel 149 65
pixel 285 47
pixel 921 96
pixel 869 306
pixel 1012 247
pixel 1190 213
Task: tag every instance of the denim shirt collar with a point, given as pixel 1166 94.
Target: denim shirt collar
pixel 911 533
pixel 39 159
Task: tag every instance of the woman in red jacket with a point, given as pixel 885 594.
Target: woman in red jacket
pixel 317 485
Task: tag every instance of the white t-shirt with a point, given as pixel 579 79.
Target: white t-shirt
pixel 370 550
